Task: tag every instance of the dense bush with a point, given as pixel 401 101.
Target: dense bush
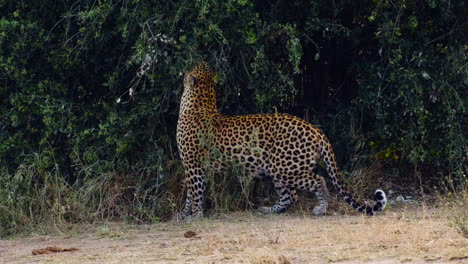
pixel 90 91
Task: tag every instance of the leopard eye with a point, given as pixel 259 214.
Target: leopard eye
pixel 192 81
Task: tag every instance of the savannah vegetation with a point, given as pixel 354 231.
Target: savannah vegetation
pixel 89 94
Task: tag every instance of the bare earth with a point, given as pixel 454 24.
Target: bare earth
pixel 405 236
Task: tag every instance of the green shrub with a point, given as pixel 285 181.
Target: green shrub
pixel 90 90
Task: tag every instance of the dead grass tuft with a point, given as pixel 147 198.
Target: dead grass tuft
pixel 271 260
pixel 456 206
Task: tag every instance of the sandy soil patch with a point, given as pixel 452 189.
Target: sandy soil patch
pixel 409 236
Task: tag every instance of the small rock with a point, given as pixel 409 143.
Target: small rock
pixel 190 234
pixel 408 201
pixel 400 198
pixel 163 245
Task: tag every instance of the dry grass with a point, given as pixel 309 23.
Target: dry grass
pixel 416 235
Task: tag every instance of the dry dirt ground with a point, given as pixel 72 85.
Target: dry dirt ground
pixel 414 235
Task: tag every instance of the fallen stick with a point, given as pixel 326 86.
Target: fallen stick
pixel 53 249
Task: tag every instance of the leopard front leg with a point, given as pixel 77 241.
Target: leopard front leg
pixel 195 181
pixel 287 197
pixel 188 207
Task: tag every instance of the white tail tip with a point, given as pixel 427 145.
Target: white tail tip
pixel 380 196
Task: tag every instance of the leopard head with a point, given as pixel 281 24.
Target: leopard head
pixel 199 75
pixel 199 90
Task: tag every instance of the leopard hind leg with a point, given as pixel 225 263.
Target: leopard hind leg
pixel 287 196
pixel 316 184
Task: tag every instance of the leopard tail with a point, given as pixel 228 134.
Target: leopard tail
pixel 328 157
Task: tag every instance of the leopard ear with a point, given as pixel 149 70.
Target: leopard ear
pixel 192 81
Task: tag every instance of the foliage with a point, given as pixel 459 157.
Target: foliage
pixel 90 92
pixel 415 89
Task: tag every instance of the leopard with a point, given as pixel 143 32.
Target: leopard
pixel 279 146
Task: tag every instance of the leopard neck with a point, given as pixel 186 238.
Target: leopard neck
pixel 200 100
